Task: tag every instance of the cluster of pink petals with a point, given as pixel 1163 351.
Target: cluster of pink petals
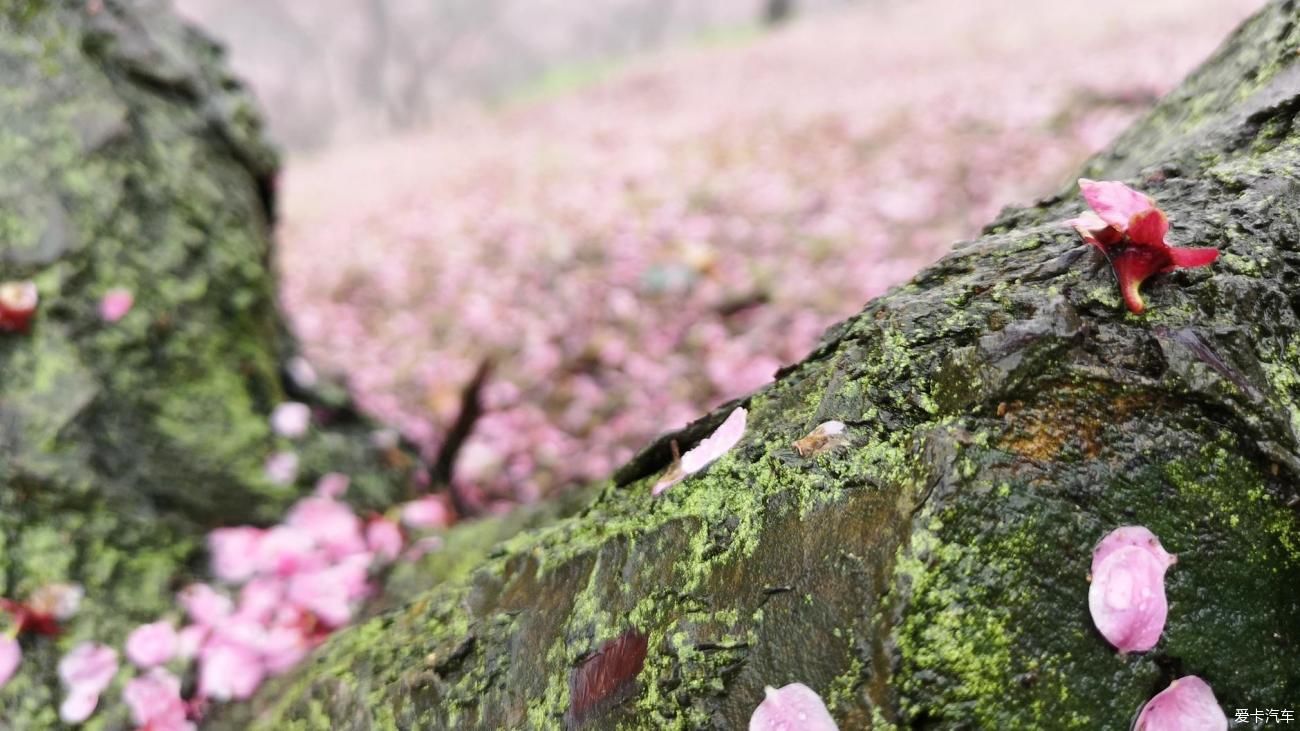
pixel 281 591
pixel 796 707
pixel 712 447
pixel 1187 704
pixel 1128 228
pixel 1127 595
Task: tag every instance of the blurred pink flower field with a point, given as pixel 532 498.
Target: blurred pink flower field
pixel 634 253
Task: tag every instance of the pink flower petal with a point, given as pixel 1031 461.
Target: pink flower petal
pixel 1127 598
pixel 384 538
pixel 259 599
pixel 115 304
pixel 1148 228
pixel 1192 257
pixel 234 552
pixel 331 485
pixel 792 708
pixel 284 647
pixel 90 666
pixel 291 419
pixel 1114 202
pixel 282 468
pixel 11 654
pixel 707 451
pixel 155 702
pixel 151 644
pixel 1187 704
pixel 78 705
pixel 229 670
pixel 205 605
pixel 286 550
pixel 331 524
pixel 85 671
pixel 1130 535
pixel 426 512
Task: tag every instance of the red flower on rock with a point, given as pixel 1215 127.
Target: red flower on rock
pixel 1129 229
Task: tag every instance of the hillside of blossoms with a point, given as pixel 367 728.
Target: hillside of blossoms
pixel 629 254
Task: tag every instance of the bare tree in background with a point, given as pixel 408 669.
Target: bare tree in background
pixel 777 11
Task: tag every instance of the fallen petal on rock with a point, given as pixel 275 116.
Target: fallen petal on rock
pixel 1130 535
pixel 706 452
pixel 796 707
pixel 1114 202
pixel 1188 704
pixel 1127 598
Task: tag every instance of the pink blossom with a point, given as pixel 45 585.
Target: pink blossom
pixel 285 644
pixel 1127 598
pixel 1187 704
pixel 234 552
pixel 190 639
pixel 85 672
pixel 796 707
pixel 426 512
pixel 329 593
pixel 205 605
pixel 726 436
pixel 1129 230
pixel 151 644
pixel 114 305
pixel 331 524
pixel 260 598
pixel 1131 535
pixel 11 654
pixel 282 468
pixel 384 538
pixel 285 550
pixel 291 419
pixel 155 702
pixel 331 485
pixel 228 670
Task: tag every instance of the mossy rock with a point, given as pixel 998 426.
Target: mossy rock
pixel 131 159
